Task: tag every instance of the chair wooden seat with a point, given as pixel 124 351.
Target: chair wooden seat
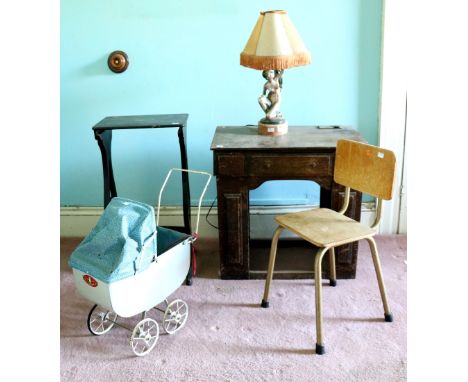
pixel 324 227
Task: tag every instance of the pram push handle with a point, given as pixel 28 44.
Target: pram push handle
pixel 194 234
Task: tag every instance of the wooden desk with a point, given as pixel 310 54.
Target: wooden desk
pixel 243 160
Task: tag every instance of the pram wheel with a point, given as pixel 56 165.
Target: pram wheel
pixel 100 320
pixel 175 316
pixel 144 336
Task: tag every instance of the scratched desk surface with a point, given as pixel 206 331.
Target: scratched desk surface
pixel 298 137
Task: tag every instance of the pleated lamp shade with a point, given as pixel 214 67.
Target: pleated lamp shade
pixel 274 44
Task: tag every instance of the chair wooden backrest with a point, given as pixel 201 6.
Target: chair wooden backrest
pixel 365 168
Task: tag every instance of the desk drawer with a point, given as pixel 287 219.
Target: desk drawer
pixel 289 165
pixel 229 165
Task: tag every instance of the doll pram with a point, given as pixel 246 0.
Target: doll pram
pixel 128 265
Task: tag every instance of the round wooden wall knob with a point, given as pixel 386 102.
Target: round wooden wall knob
pixel 118 61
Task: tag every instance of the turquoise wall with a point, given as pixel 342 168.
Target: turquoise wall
pixel 184 58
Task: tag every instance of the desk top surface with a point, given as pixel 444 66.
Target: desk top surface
pixel 142 121
pixel 298 137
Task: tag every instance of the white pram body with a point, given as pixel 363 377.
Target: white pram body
pixel 140 276
pixel 144 290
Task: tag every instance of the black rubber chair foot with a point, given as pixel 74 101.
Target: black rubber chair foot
pixel 333 283
pixel 319 349
pixel 388 317
pixel 188 282
pixel 265 304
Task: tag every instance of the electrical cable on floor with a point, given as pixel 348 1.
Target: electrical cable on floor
pixel 208 213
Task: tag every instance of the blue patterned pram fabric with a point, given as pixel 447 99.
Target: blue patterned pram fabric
pixel 122 243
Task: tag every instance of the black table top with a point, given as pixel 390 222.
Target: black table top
pixel 142 121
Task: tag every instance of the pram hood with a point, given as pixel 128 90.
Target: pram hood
pixel 122 243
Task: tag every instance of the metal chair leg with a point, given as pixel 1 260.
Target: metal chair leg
pixel 319 347
pixel 378 272
pixel 332 267
pixel 271 265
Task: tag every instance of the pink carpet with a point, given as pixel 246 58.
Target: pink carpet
pixel 228 337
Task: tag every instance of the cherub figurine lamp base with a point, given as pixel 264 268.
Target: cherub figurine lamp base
pixel 274 45
pixel 273 123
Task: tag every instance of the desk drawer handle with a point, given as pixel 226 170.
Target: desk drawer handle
pixel 313 164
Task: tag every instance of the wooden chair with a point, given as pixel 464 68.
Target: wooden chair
pixel 364 168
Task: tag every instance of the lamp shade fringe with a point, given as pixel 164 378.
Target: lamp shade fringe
pixel 274 62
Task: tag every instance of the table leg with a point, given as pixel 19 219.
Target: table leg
pixel 104 140
pixel 185 182
pixel 186 198
pixel 233 221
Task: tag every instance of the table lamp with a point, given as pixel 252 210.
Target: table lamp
pixel 273 45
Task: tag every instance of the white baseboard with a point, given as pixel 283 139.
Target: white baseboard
pixel 78 221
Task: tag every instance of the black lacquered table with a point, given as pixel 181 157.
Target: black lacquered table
pixel 103 134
